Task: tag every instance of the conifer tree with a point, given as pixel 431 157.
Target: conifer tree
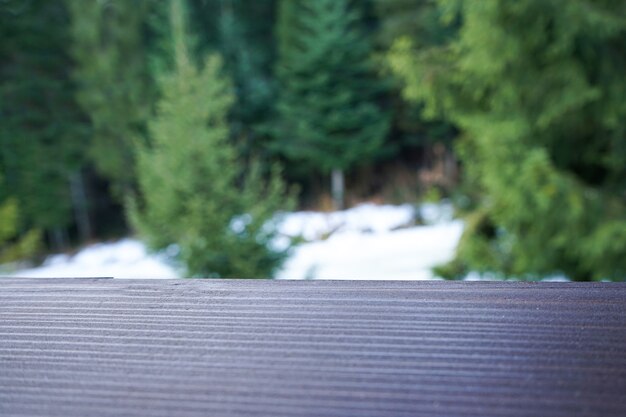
pixel 42 137
pixel 538 87
pixel 114 85
pixel 329 117
pixel 195 192
pixel 242 32
pixel 417 21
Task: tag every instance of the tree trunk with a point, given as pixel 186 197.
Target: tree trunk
pixel 58 239
pixel 79 202
pixel 337 188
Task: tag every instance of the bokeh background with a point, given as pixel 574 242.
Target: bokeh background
pixel 389 139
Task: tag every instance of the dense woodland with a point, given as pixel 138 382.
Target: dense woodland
pixel 192 122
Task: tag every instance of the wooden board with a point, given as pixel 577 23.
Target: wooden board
pixel 102 347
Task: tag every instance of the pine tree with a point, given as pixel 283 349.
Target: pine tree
pixel 538 87
pixel 418 22
pixel 242 32
pixel 247 45
pixel 115 86
pixel 42 137
pixel 328 113
pixel 195 192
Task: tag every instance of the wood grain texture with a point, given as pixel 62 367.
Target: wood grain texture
pixel 102 347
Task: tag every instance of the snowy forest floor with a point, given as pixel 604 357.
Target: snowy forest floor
pixel 366 242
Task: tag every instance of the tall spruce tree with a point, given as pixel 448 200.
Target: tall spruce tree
pixel 417 21
pixel 42 138
pixel 115 87
pixel 242 32
pixel 329 117
pixel 538 86
pixel 195 192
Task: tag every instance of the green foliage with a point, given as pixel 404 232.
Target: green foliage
pixel 418 20
pixel 195 191
pixel 41 129
pixel 419 23
pixel 539 88
pixel 242 32
pixel 13 245
pixel 115 87
pixel 329 117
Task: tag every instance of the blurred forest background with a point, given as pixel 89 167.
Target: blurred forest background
pixel 194 122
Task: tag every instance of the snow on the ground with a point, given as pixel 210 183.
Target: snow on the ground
pixel 407 254
pixel 364 219
pixel 371 242
pixel 365 242
pixel 127 258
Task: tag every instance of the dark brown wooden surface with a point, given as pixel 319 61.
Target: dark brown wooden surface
pixel 311 348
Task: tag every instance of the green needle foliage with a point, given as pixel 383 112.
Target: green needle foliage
pixel 538 87
pixel 114 84
pixel 242 32
pixel 195 192
pixel 329 117
pixel 13 244
pixel 41 126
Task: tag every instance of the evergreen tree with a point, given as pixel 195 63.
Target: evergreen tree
pixel 242 32
pixel 328 113
pixel 115 87
pixel 539 87
pixel 419 22
pixel 195 192
pixel 42 130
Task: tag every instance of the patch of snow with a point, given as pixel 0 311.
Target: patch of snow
pixel 365 218
pixel 556 278
pixel 56 260
pixel 365 242
pixel 127 258
pixel 407 254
